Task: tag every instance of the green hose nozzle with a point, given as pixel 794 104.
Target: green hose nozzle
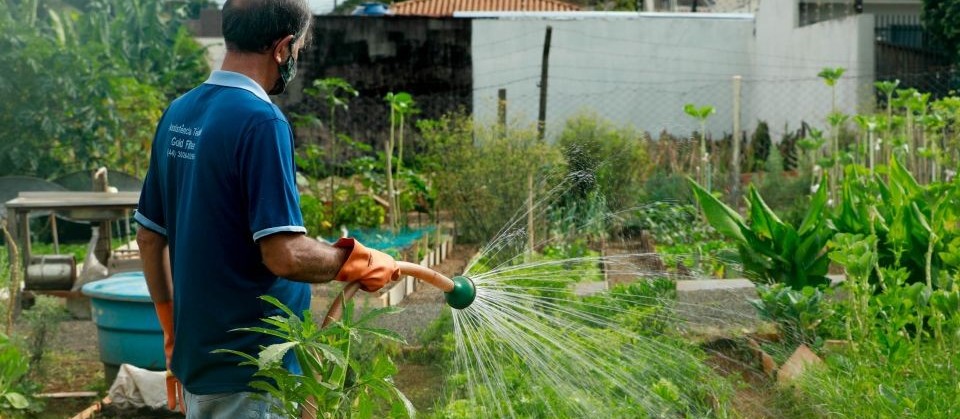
pixel 462 294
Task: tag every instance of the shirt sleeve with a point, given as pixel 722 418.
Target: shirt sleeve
pixel 149 213
pixel 269 179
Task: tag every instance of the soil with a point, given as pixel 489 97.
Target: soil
pixel 422 384
pixel 756 394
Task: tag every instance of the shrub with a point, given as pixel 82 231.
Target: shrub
pixel 667 187
pixel 610 160
pixel 481 176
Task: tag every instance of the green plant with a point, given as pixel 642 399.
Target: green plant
pixel 662 186
pixel 606 159
pixel 42 320
pixel 902 337
pixel 669 224
pixel 785 193
pixel 354 209
pixel 480 176
pixel 761 145
pixel 401 105
pixel 912 222
pixel 875 387
pixel 13 368
pixel 336 93
pixel 713 257
pixel 771 250
pixel 831 161
pixel 332 380
pixel 801 314
pixel 701 114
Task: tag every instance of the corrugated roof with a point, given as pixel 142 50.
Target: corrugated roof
pixel 439 8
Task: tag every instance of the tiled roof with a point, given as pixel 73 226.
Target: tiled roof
pixel 439 8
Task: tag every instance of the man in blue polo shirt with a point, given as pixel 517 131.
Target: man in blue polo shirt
pixel 220 217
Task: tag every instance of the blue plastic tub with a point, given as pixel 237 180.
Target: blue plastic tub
pixel 127 326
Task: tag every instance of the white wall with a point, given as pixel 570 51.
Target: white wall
pixel 785 87
pixel 637 69
pixel 641 68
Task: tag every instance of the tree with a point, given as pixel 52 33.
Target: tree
pixel 941 21
pixel 84 85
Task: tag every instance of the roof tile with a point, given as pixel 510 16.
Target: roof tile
pixel 440 8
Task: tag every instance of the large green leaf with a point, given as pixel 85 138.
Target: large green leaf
pixel 17 400
pixel 721 217
pixel 276 303
pixel 808 250
pixel 921 218
pixel 273 354
pixel 903 186
pixel 761 216
pixel 382 333
pixel 329 352
pixel 814 216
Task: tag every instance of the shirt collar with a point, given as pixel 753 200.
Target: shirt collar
pixel 240 81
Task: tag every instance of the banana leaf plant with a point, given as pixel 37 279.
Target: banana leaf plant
pixel 915 224
pixel 771 250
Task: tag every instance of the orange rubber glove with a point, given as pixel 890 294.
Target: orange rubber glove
pixel 372 268
pixel 165 315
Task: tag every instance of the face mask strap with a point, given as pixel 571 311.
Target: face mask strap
pixel 287 69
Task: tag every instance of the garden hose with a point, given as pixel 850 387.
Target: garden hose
pixel 459 292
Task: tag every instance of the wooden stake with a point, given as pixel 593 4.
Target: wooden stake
pixel 544 65
pixel 735 160
pixel 530 234
pixel 15 271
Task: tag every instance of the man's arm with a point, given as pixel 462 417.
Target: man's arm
pixel 297 257
pixel 156 264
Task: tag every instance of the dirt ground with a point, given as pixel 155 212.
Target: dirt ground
pixel 71 361
pixel 757 395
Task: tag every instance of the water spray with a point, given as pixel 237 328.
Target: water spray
pixel 459 292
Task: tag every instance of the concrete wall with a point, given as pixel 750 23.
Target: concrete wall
pixel 641 68
pixel 637 69
pixel 784 87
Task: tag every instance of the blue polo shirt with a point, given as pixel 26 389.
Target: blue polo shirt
pixel 222 177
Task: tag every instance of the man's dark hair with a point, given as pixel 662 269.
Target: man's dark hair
pixel 255 25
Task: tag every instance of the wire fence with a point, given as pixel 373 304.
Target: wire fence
pixel 644 83
pixel 785 105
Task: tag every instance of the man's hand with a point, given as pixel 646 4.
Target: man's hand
pixel 372 268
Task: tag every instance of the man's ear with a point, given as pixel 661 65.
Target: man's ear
pixel 285 43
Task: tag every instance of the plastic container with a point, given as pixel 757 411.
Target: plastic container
pixel 372 9
pixel 127 327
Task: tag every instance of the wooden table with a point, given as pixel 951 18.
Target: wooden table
pixel 78 206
